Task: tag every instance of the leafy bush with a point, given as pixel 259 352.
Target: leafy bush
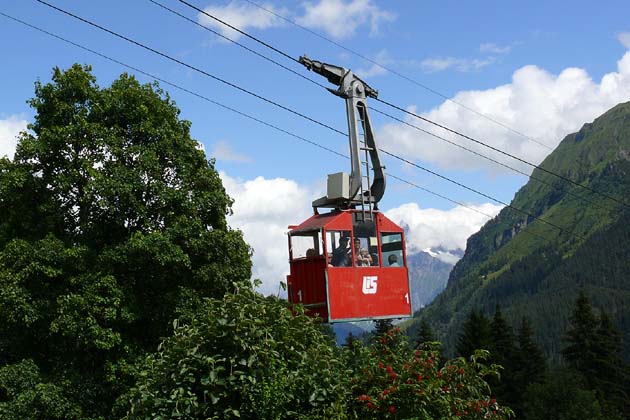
pixel 244 356
pixel 393 381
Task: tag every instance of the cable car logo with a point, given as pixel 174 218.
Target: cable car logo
pixel 369 285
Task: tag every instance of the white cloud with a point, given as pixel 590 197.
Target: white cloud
pixel 341 19
pixel 544 106
pixel 9 129
pixel 338 18
pixel 242 16
pixel 492 48
pixel 463 65
pixel 624 38
pixel 440 230
pixel 381 58
pixel 223 151
pixel 263 209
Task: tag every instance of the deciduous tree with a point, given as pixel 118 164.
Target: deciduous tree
pixel 113 222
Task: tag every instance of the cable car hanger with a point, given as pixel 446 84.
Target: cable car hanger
pixel 355 92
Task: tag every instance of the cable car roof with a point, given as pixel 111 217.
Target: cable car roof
pixel 340 220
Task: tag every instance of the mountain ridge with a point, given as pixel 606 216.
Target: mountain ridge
pixel 515 251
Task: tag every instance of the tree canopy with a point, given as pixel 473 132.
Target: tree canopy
pixel 114 223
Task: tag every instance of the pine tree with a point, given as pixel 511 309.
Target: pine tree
pixel 382 326
pixel 530 366
pixel 476 334
pixel 425 335
pixel 503 353
pixel 612 371
pixel 581 352
pixel 595 351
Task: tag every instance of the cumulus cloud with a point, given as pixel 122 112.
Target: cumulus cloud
pixel 9 129
pixel 543 105
pixel 624 38
pixel 440 231
pixel 263 209
pixel 381 58
pixel 341 19
pixel 223 151
pixel 338 18
pixel 241 15
pixel 492 48
pixel 463 65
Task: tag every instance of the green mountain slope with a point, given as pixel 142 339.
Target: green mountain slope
pixel 533 269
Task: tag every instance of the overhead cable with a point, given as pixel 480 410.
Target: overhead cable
pixel 231 109
pixel 299 114
pixel 402 76
pixel 245 47
pixel 562 177
pixel 190 66
pixel 531 176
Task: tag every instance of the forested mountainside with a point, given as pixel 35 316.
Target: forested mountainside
pixel 535 270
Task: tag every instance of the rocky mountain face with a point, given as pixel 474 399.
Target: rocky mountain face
pixel 564 238
pixel 427 276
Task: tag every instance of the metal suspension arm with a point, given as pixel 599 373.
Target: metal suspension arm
pixel 355 92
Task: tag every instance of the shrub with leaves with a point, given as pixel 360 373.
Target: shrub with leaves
pixel 393 381
pixel 244 356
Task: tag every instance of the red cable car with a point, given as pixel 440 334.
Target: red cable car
pixel 349 264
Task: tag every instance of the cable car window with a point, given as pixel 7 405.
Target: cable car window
pixel 338 249
pixel 306 244
pixel 365 243
pixel 392 249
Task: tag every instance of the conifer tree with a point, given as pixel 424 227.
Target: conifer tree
pixel 530 364
pixel 611 367
pixel 425 335
pixel 503 353
pixel 582 338
pixel 475 334
pixel 382 326
pixel 594 350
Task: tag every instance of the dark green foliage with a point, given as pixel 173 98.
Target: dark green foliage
pixel 528 366
pixel 382 326
pixel 562 397
pixel 612 379
pixel 25 395
pixel 476 334
pixel 503 353
pixel 113 222
pixel 244 356
pixel 582 338
pixel 425 335
pixel 594 350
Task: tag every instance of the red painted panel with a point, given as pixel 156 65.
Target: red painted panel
pixel 386 225
pixel 307 285
pixel 369 292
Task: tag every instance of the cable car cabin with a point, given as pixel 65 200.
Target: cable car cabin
pixel 350 264
pixel 344 268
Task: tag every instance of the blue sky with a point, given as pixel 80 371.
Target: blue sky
pixel 542 68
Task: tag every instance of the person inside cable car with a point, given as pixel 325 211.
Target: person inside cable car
pixel 357 252
pixel 341 256
pixel 393 260
pixel 364 259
